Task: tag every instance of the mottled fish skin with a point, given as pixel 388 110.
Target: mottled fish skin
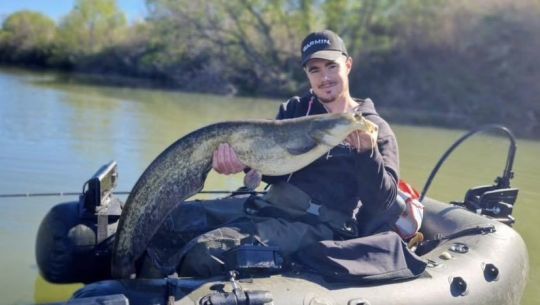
pixel 273 147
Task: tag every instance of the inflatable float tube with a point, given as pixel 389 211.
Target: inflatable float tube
pixel 485 262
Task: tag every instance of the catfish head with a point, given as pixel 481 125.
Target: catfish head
pixel 332 129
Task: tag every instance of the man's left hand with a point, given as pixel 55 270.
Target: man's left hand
pixel 360 141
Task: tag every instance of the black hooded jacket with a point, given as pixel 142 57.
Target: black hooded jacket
pixel 344 179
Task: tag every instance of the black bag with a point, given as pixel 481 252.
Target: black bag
pixel 375 258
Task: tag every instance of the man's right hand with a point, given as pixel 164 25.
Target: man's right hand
pixel 225 160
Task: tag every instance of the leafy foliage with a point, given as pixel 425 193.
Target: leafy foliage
pixel 26 36
pixel 462 61
pixel 88 29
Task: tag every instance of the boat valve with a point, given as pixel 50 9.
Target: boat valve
pixel 459 248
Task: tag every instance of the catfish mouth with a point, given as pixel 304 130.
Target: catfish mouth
pixel 353 121
pixel 361 123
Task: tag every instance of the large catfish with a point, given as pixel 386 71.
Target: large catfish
pixel 273 147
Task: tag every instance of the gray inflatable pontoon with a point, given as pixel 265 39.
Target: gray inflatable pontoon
pixel 473 257
pixel 486 263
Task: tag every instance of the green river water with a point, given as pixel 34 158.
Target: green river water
pixel 55 135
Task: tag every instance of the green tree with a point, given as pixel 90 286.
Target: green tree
pixel 254 44
pixel 251 43
pixel 26 36
pixel 91 26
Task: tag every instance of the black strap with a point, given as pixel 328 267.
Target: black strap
pixel 468 231
pixel 430 244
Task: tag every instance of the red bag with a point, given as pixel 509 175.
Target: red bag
pixel 410 220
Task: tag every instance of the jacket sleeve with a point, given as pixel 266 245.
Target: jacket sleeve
pixel 379 171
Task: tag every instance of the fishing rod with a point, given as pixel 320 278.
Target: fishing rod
pixel 60 194
pixel 502 181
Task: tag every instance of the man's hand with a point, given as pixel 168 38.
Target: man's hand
pixel 252 179
pixel 360 141
pixel 225 160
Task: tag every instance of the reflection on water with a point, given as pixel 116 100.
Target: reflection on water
pixel 54 136
pixel 45 292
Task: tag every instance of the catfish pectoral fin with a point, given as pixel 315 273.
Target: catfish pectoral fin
pixel 301 146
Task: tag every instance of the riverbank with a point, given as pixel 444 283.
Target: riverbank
pixel 457 64
pixel 394 108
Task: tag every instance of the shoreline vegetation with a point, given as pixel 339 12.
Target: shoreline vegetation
pixel 455 64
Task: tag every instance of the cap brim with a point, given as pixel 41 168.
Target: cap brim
pixel 323 54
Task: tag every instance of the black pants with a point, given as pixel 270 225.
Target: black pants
pixel 195 236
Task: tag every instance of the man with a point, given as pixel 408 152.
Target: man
pixel 350 191
pixel 349 172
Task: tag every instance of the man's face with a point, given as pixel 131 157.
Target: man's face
pixel 329 79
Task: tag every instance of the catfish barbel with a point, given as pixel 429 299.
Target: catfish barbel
pixel 273 147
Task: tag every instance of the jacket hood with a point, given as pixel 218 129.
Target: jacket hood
pixel 366 106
